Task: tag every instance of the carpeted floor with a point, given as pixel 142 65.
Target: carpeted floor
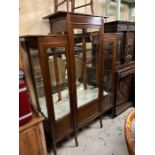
pixel 94 140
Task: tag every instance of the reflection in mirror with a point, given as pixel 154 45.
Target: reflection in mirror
pixel 59 81
pixel 86 45
pixel 38 79
pixel 108 50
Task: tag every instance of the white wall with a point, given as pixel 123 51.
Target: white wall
pixel 30 16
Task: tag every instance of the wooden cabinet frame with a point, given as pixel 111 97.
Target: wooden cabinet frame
pixel 64 37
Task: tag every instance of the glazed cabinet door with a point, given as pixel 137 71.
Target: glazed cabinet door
pixel 108 75
pixel 29 44
pixel 109 63
pixel 53 53
pixel 119 48
pixel 86 57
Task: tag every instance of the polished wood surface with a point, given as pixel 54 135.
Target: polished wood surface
pixel 34 121
pixel 122 107
pixel 127 129
pixel 31 138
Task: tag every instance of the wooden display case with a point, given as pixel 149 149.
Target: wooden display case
pixel 69 64
pixel 51 64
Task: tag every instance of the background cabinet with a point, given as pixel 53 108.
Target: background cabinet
pixel 124 35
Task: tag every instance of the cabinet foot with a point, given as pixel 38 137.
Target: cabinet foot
pixel 76 140
pixel 101 124
pixel 54 149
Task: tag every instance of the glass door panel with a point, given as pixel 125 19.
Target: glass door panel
pixel 86 42
pixel 108 65
pixel 59 81
pixel 38 79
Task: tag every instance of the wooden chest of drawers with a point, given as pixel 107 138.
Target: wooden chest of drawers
pixel 31 138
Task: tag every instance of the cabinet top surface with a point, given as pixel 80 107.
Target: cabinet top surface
pixel 35 119
pixel 64 13
pixel 119 26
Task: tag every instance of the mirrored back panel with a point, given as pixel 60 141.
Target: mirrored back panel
pixel 38 79
pixel 86 52
pixel 108 58
pixel 59 81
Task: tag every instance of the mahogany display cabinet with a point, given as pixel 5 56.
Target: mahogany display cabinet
pixel 68 70
pixel 86 32
pixel 124 35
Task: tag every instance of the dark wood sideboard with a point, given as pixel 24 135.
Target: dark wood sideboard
pixel 124 35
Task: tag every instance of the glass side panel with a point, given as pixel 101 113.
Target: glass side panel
pixel 38 80
pixel 86 46
pixel 59 81
pixel 108 56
